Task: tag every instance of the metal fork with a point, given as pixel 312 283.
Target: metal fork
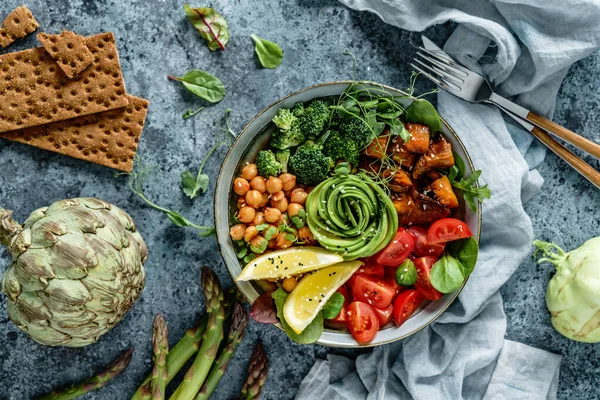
pixel 442 69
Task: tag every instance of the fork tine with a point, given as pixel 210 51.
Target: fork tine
pixel 440 76
pixel 437 81
pixel 440 71
pixel 447 60
pixel 444 66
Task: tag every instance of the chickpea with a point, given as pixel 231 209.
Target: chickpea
pixel 246 214
pixel 259 183
pixel 264 201
pixel 253 198
pixel 241 202
pixel 249 172
pixel 282 220
pixel 283 242
pixel 257 243
pixel 281 205
pixel 289 283
pixel 250 233
pixel 272 244
pixel 306 236
pixel 274 184
pixel 298 196
pixel 259 218
pixel 237 231
pixel 278 196
pixel 241 186
pixel 272 215
pixel 288 181
pixel 293 209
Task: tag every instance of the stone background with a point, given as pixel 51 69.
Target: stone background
pixel 155 40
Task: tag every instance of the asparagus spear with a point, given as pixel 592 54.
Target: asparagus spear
pixel 95 382
pixel 257 374
pixel 160 346
pixel 235 336
pixel 195 376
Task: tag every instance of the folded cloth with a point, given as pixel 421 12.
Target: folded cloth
pixel 463 354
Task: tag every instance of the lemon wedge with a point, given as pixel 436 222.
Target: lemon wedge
pixel 312 292
pixel 288 262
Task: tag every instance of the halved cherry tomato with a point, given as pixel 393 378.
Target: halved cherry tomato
pixel 405 305
pixel 344 290
pixel 446 230
pixel 363 323
pixel 397 250
pixel 423 283
pixel 422 247
pixel 373 291
pixel 342 316
pixel 370 267
pixel 384 314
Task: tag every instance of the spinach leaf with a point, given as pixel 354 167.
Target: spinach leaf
pixel 333 306
pixel 210 24
pixel 446 275
pixel 406 273
pixel 465 251
pixel 310 334
pixel 269 54
pixel 202 84
pixel 422 112
pixel 397 128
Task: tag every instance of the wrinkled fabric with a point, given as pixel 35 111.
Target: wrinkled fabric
pixel 463 354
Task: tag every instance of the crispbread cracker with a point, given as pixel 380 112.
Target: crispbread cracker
pixel 69 50
pixel 18 24
pixel 109 138
pixel 34 91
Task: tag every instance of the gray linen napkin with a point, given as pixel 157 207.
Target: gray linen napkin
pixel 463 354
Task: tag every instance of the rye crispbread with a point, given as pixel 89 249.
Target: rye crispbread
pixel 109 138
pixel 18 24
pixel 69 50
pixel 34 91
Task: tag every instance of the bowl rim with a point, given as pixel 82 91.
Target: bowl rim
pixel 349 82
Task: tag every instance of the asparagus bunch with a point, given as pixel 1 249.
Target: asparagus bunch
pixel 195 376
pixel 235 336
pixel 160 345
pixel 95 382
pixel 257 374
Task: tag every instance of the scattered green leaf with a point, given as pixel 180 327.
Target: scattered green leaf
pixel 310 334
pixel 210 24
pixel 333 306
pixel 422 112
pixel 269 54
pixel 202 84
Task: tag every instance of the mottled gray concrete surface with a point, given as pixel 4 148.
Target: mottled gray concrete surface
pixel 155 40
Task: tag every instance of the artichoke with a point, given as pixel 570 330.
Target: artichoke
pixel 77 268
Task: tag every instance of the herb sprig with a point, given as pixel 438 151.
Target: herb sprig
pixel 468 185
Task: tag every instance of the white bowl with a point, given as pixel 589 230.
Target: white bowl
pixel 252 139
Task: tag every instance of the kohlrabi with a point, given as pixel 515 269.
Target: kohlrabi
pixel 573 294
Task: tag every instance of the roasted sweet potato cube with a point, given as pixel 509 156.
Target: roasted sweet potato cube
pixel 400 153
pixel 444 193
pixel 377 148
pixel 403 204
pixel 419 138
pixel 439 155
pixel 402 178
pixel 424 211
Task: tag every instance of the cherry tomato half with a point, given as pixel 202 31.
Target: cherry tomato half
pixel 405 305
pixel 363 323
pixel 384 314
pixel 422 247
pixel 373 291
pixel 342 316
pixel 370 267
pixel 423 283
pixel 446 230
pixel 397 250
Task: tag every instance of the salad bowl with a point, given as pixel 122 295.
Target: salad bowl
pixel 254 137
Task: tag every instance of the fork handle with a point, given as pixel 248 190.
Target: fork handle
pixel 577 163
pixel 569 136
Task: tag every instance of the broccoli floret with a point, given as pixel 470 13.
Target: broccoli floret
pixel 309 164
pixel 298 109
pixel 282 139
pixel 340 148
pixel 284 119
pixel 357 130
pixel 267 164
pixel 315 118
pixel 283 156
